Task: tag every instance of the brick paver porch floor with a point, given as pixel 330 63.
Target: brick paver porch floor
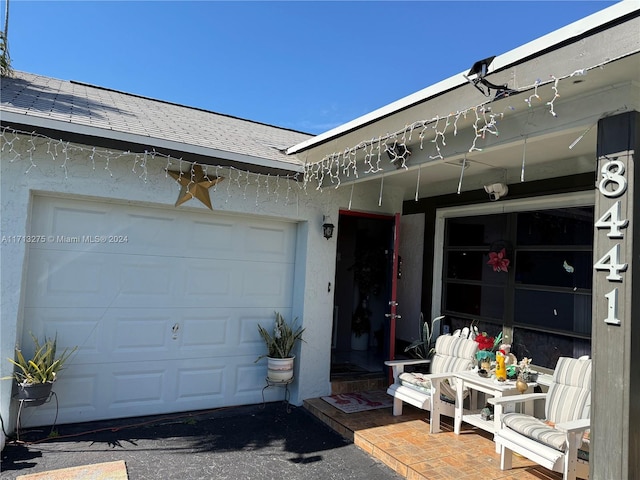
pixel 404 444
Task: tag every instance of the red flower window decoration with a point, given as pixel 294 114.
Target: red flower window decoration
pixel 498 257
pixel 499 261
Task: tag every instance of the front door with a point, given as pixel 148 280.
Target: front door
pixel 365 293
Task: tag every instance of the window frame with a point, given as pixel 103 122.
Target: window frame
pixel 567 200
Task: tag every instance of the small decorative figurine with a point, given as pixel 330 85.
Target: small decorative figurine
pixel 501 369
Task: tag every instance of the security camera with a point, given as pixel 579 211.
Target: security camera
pixel 496 191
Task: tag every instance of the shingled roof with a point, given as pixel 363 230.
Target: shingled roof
pixel 84 110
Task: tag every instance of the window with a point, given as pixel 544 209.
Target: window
pixel 545 294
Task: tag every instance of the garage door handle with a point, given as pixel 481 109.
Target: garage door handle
pixel 175 329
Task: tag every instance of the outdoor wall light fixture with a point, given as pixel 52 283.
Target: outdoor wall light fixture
pixel 327 227
pixel 480 70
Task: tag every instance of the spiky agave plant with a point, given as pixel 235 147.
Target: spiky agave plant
pixel 43 366
pixel 284 338
pixel 421 348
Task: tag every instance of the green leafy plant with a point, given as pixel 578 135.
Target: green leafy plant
pixel 422 348
pixel 360 322
pixel 487 346
pixel 5 60
pixel 43 366
pixel 284 338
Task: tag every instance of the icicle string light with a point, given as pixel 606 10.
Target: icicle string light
pixel 439 134
pixel 524 156
pixel 68 156
pixel 535 95
pixel 351 195
pixel 485 123
pixel 555 96
pixel 464 165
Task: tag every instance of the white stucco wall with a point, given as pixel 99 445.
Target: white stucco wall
pixel 123 182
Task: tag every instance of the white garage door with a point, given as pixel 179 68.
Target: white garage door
pixel 163 304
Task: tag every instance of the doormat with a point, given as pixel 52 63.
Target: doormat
pixel 360 401
pixel 99 471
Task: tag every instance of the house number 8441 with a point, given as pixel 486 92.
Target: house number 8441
pixel 612 185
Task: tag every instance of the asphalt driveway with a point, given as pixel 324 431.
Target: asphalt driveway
pixel 245 443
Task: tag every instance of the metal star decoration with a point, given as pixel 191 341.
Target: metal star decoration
pixel 195 184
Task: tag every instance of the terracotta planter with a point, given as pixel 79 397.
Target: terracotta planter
pixel 280 370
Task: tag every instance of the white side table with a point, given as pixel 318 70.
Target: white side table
pixel 471 380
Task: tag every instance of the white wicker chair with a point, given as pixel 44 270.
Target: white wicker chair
pixel 452 354
pixel 552 442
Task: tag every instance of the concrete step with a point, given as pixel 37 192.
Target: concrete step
pixel 374 381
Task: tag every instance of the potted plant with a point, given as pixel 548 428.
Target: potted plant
pixel 35 375
pixel 360 326
pixel 424 347
pixel 279 347
pixel 486 349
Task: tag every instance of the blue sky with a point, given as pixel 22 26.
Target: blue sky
pixel 308 66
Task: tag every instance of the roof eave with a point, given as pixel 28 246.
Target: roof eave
pixel 512 57
pixel 158 143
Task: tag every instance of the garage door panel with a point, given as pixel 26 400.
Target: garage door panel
pixel 58 279
pixel 143 336
pixel 154 232
pixel 268 243
pixel 204 279
pixel 222 235
pixel 73 328
pixel 208 333
pixel 186 385
pixel 77 398
pixel 65 221
pixel 148 277
pixel 148 233
pixel 165 321
pixel 266 284
pixel 84 386
pixel 200 384
pixel 138 388
pixel 59 274
pixel 249 375
pixel 249 337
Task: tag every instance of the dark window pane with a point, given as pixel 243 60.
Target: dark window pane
pixel 556 269
pixel 479 300
pixel 480 230
pixel 555 310
pixel 545 348
pixel 566 226
pixel 470 265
